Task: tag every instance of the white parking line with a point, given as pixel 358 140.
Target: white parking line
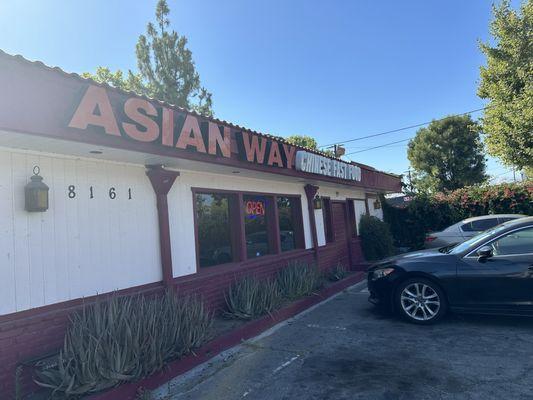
pixel 285 364
pixel 339 328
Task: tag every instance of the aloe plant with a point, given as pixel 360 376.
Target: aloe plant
pixel 123 339
pixel 299 279
pixel 251 297
pixel 337 273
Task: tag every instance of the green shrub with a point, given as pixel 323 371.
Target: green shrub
pixel 298 279
pixel 376 239
pixel 250 297
pixel 434 212
pixel 124 339
pixel 337 273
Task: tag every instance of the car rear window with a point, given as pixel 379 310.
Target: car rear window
pixel 480 225
pixel 505 219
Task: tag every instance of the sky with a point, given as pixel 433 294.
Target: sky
pixel 334 70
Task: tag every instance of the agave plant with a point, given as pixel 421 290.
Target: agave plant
pixel 298 279
pixel 251 297
pixel 123 339
pixel 337 273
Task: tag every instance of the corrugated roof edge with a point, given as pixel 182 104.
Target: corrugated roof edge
pixel 74 75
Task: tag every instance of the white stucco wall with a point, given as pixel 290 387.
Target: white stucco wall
pixel 340 193
pixel 320 230
pixel 360 209
pixel 80 246
pixel 375 212
pixel 83 246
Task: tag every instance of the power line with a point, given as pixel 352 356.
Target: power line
pixel 503 173
pixel 510 171
pixel 366 147
pixel 389 143
pixel 402 129
pixel 377 147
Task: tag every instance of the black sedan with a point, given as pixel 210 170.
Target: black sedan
pixel 491 273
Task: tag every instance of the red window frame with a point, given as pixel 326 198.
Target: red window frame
pixel 237 232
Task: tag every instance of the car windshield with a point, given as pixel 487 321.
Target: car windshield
pixel 475 240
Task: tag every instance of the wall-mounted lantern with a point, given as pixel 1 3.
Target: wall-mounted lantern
pixel 36 193
pixel 317 202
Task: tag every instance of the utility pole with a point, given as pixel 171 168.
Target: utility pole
pixel 338 150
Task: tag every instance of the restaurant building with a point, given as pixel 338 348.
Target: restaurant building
pixel 141 195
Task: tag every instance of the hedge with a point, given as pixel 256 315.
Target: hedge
pixel 427 213
pixel 376 239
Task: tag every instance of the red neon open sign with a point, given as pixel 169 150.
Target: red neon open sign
pixel 255 207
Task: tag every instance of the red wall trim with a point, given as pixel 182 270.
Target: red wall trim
pixel 366 204
pixel 327 216
pixel 354 229
pixel 162 180
pixel 240 234
pixel 272 216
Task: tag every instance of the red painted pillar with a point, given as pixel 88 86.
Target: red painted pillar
pixel 310 192
pixel 162 180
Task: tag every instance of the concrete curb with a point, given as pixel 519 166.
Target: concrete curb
pixel 258 328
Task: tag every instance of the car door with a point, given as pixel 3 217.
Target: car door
pixel 502 282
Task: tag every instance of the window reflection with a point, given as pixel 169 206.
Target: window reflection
pixel 520 242
pixel 255 225
pixel 214 233
pixel 286 215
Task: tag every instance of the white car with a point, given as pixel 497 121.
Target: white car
pixel 465 229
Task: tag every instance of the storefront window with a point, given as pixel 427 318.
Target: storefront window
pixel 269 224
pixel 287 222
pixel 255 225
pixel 214 232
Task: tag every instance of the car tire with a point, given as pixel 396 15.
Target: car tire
pixel 420 301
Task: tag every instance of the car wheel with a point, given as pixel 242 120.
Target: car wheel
pixel 420 301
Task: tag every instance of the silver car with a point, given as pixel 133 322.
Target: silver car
pixel 465 229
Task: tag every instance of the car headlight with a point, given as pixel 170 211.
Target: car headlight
pixel 381 273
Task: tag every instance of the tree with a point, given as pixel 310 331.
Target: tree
pixel 448 154
pixel 133 82
pixel 507 82
pixel 307 141
pixel 303 140
pixel 166 69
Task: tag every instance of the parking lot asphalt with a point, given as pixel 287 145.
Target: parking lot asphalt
pixel 346 349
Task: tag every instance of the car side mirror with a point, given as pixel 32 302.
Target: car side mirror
pixel 484 252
